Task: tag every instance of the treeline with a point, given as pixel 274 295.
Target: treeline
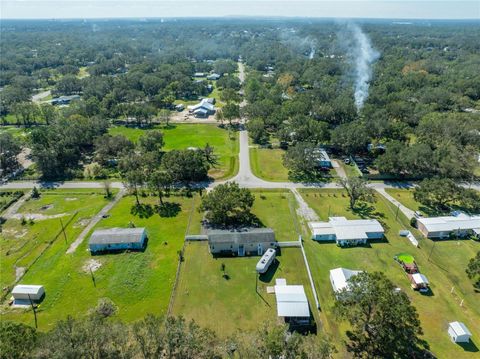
pixel 98 336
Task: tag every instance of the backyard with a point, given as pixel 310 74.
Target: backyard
pixel 444 267
pixel 238 303
pixel 137 282
pixel 182 136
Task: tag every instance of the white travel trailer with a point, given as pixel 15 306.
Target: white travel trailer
pixel 266 260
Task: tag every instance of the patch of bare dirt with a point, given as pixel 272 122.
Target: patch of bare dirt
pixel 37 216
pixel 91 265
pixel 81 223
pixel 19 272
pixel 69 199
pixel 46 207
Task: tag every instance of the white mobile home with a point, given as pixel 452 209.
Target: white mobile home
pixel 247 241
pixel 25 293
pixel 117 239
pixel 444 227
pixel 458 332
pixel 347 232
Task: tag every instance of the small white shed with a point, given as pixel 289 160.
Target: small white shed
pixel 24 292
pixel 458 332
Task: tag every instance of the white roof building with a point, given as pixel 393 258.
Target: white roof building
pixel 25 292
pixel 345 231
pixel 458 332
pixel 291 301
pixel 434 227
pixel 339 278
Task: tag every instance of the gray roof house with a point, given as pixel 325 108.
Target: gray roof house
pixel 117 239
pixel 248 241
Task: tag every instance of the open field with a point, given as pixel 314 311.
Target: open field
pixel 268 164
pixel 277 210
pixel 445 269
pixel 228 305
pixel 195 135
pixel 138 282
pixel 22 245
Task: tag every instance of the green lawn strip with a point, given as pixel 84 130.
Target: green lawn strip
pixel 351 170
pixel 15 131
pixel 273 208
pixel 183 136
pixel 268 164
pixel 435 311
pixel 230 305
pixel 138 282
pixel 21 245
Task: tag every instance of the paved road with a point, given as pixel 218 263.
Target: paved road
pixel 97 218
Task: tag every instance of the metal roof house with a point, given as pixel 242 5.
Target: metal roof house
pixel 323 158
pixel 248 241
pixel 347 232
pixel 23 293
pixel 64 100
pixel 444 227
pixel 117 239
pixel 458 332
pixel 292 303
pixel 213 76
pixel 339 278
pixel 204 108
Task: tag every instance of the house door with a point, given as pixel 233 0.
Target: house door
pixel 259 249
pixel 241 250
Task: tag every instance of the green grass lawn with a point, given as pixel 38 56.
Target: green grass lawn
pixel 195 135
pixel 277 210
pixel 268 164
pixel 231 305
pixel 351 170
pixel 445 269
pixel 21 245
pixel 17 132
pixel 138 282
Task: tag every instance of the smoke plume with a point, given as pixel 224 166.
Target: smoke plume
pixel 362 56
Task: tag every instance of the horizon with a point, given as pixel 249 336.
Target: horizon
pixel 264 9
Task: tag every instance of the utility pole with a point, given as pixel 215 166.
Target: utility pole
pixel 396 214
pixel 93 278
pixel 433 247
pixel 63 230
pixel 34 311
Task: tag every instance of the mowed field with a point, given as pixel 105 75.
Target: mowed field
pixel 182 136
pixel 137 282
pixel 228 305
pixel 444 267
pixel 267 163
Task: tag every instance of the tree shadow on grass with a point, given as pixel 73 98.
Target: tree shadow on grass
pixel 169 209
pixel 308 177
pixel 366 210
pixel 142 210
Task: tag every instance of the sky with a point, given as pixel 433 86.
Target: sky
pixel 391 9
